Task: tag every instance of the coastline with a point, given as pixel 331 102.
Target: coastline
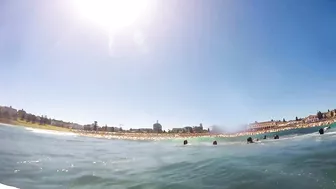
pixel 180 136
pixel 20 123
pixel 158 136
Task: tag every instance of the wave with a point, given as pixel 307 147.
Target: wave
pixel 2 186
pixel 42 131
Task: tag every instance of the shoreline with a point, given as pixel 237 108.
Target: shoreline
pixel 159 136
pixel 181 136
pixel 20 123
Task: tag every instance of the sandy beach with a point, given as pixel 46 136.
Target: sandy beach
pixel 174 136
pixel 166 136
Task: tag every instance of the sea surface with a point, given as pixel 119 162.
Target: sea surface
pixel 33 159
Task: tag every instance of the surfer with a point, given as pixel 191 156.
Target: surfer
pixel 185 142
pixel 321 131
pixel 214 143
pixel 326 128
pixel 276 136
pixel 249 140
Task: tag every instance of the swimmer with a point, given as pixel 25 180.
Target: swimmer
pixel 249 140
pixel 265 137
pixel 214 143
pixel 185 142
pixel 276 136
pixel 321 131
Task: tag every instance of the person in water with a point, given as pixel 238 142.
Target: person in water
pixel 185 142
pixel 276 136
pixel 249 140
pixel 321 131
pixel 265 137
pixel 326 128
pixel 214 143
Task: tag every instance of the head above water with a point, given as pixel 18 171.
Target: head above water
pixel 249 140
pixel 321 131
pixel 265 136
pixel 276 136
pixel 214 143
pixel 185 142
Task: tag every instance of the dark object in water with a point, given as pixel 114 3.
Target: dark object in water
pixel 249 140
pixel 265 136
pixel 214 143
pixel 276 136
pixel 185 142
pixel 257 139
pixel 321 131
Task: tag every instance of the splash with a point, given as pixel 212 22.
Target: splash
pixel 42 131
pixel 2 186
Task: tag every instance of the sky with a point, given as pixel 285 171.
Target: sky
pixel 217 62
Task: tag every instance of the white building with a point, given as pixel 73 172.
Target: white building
pixel 177 130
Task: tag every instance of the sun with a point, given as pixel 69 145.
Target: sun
pixel 112 14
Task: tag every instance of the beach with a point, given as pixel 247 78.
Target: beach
pixel 180 136
pixel 167 136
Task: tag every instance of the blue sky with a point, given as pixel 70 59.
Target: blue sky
pixel 210 62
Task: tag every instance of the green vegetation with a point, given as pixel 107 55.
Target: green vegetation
pixel 9 115
pixel 38 126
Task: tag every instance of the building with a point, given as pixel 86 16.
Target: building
pixel 147 130
pixel 88 127
pixel 311 119
pixel 117 129
pixel 198 129
pixel 76 126
pixel 142 130
pixel 330 114
pixel 110 129
pixel 188 129
pixel 57 123
pixel 177 130
pixel 263 125
pixel 157 127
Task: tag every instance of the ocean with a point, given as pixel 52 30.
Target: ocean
pixel 33 159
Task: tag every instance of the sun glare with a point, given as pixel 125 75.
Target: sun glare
pixel 112 14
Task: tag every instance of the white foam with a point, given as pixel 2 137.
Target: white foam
pixel 42 131
pixel 298 137
pixel 2 186
pixel 330 133
pixel 7 125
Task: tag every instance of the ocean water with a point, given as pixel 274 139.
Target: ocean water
pixel 33 159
